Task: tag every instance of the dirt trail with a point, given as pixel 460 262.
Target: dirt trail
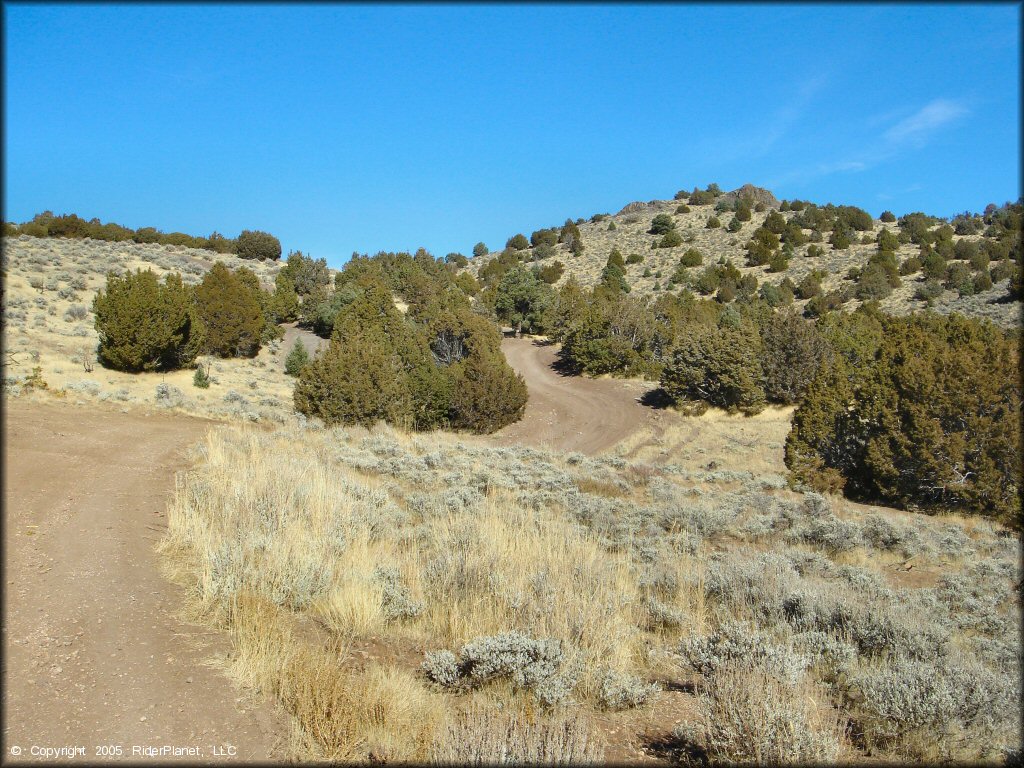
pixel 572 413
pixel 94 653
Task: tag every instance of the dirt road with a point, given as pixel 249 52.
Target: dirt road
pixel 94 654
pixel 572 413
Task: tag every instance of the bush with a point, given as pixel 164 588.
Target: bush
pixel 959 278
pixel 487 395
pixel 887 217
pixel 231 313
pixel 839 239
pixel 928 290
pixel 672 239
pixel 76 312
pixel 487 737
pixel 620 691
pixel 661 224
pixel 823 303
pixel 927 711
pixel 144 325
pixel 634 258
pixel 933 265
pixel 534 665
pixel 375 368
pixel 544 237
pixel 523 301
pixel 742 212
pixel 716 366
pixel 747 714
pixel 809 286
pixel 778 262
pixel 775 223
pixel 792 352
pixel 887 241
pixel 257 245
pixel 713 223
pixel 762 245
pixel 691 258
pixel 201 379
pixel 297 357
pixel 926 414
pixel 518 242
pixel 982 282
pixel 873 284
pixel 814 251
pixel 683 209
pixel 978 260
pixel 551 273
pixel 910 265
pixel 570 234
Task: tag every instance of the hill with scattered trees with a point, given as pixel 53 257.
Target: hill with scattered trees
pixel 732 245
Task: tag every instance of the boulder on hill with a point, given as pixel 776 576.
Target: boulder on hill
pixel 633 207
pixel 752 195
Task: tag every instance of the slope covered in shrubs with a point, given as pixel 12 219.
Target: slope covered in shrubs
pixel 969 263
pixel 542 586
pixel 921 410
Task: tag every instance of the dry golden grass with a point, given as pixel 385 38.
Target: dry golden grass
pixel 40 330
pixel 277 532
pixel 715 440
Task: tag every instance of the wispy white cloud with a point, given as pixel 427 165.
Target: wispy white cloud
pixel 759 137
pixel 790 113
pixel 894 194
pixel 919 127
pixel 912 131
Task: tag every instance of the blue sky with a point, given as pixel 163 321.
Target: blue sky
pixel 344 128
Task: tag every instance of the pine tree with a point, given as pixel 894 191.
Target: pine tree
pixel 297 358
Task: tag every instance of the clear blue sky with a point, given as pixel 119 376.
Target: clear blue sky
pixel 344 128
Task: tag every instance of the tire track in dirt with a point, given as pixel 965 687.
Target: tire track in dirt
pixel 94 652
pixel 572 413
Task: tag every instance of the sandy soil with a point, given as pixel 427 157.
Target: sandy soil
pixel 572 413
pixel 94 653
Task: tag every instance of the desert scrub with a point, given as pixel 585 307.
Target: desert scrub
pixel 530 664
pixel 484 736
pixel 746 714
pixel 953 709
pixel 528 591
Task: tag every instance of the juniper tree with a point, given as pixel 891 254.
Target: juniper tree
pixel 144 325
pixel 231 313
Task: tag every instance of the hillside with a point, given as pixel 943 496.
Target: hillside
pixel 49 287
pixel 402 596
pixel 628 230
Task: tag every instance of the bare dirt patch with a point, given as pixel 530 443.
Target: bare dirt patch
pixel 572 413
pixel 94 651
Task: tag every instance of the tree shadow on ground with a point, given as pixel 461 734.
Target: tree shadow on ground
pixel 674 749
pixel 656 398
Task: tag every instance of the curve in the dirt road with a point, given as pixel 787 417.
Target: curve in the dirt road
pixel 571 413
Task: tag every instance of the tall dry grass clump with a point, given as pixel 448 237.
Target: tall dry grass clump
pixel 510 594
